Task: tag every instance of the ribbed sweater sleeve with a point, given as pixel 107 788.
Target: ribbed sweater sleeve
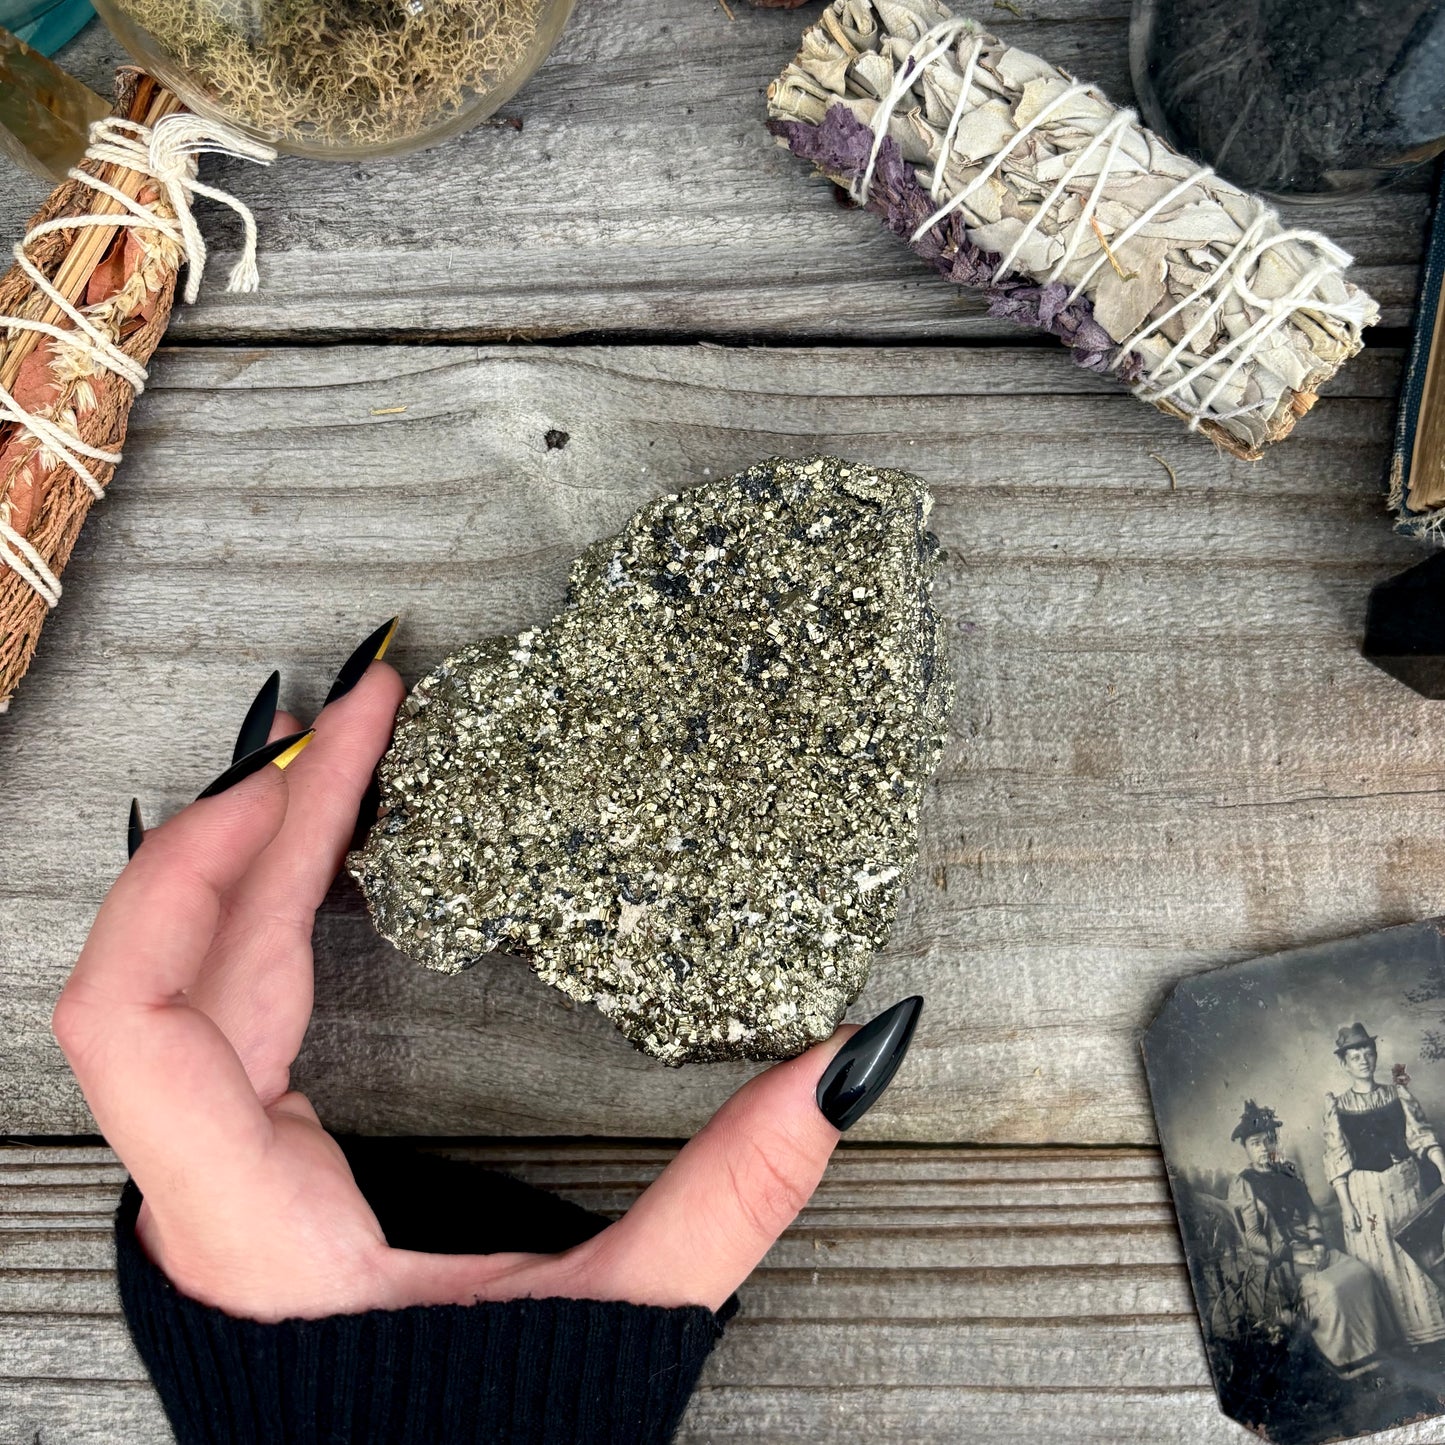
pixel 546 1370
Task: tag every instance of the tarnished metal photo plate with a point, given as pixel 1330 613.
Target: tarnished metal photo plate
pixel 1300 1101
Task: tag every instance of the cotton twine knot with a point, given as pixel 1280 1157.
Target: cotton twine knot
pixel 167 152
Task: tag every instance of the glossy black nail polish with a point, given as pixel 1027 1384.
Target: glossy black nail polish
pixel 259 717
pixel 865 1065
pixel 281 752
pixel 370 651
pixel 135 832
pixel 366 813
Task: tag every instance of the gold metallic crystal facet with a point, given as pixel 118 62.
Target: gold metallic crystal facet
pixel 692 798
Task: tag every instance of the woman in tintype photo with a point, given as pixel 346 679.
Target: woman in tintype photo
pixel 1375 1136
pixel 1340 1298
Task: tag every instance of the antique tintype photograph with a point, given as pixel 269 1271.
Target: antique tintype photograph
pixel 1300 1101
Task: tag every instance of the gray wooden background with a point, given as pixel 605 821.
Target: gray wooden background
pixel 1166 754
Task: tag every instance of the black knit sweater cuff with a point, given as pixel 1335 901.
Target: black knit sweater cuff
pixel 548 1370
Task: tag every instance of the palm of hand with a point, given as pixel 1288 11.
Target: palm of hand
pixel 186 1012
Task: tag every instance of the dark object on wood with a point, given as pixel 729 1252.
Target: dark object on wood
pixel 1063 1266
pixel 1405 627
pixel 371 649
pixel 1417 467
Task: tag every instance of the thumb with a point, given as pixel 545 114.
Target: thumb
pixel 716 1210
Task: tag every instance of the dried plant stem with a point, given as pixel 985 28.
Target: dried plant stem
pixel 1119 271
pixel 152 101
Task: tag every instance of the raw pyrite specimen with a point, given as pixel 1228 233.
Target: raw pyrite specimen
pixel 691 799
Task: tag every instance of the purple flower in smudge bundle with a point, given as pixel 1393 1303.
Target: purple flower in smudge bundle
pixel 841 146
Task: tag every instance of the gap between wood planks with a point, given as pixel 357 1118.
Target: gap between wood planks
pixel 1381 338
pixel 560 1142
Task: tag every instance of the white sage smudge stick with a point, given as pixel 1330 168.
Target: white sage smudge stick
pixel 1006 173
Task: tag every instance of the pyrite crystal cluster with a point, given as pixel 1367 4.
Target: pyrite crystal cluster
pixel 691 799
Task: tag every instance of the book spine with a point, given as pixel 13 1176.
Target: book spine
pixel 1407 420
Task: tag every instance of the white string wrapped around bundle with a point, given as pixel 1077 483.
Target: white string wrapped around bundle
pixel 1216 311
pixel 165 153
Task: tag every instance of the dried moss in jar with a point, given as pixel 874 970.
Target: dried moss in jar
pixel 341 78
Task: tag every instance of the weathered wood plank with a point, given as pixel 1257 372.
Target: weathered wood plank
pixel 1010 1272
pixel 1166 751
pixel 641 195
pixel 943 1294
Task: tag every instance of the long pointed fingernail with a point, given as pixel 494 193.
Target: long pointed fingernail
pixel 860 1071
pixel 135 832
pixel 372 650
pixel 366 813
pixel 283 752
pixel 259 717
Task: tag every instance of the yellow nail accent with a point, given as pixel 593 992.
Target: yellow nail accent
pixel 386 641
pixel 284 760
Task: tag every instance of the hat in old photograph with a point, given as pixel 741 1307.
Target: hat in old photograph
pixel 1256 1119
pixel 1353 1036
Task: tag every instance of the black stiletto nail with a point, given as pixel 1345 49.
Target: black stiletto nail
pixel 282 752
pixel 259 717
pixel 372 650
pixel 135 832
pixel 866 1064
pixel 366 813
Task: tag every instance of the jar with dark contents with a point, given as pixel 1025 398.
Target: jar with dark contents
pixel 341 79
pixel 1295 98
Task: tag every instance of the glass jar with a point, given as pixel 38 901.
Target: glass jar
pixel 1295 98
pixel 341 79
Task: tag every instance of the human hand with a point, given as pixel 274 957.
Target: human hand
pixel 187 1009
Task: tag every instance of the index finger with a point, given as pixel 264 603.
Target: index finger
pixel 165 1087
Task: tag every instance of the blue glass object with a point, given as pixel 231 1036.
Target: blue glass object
pixel 45 25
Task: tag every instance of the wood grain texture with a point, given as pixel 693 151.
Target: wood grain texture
pixel 1003 1274
pixel 641 195
pixel 1166 752
pixel 942 1294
